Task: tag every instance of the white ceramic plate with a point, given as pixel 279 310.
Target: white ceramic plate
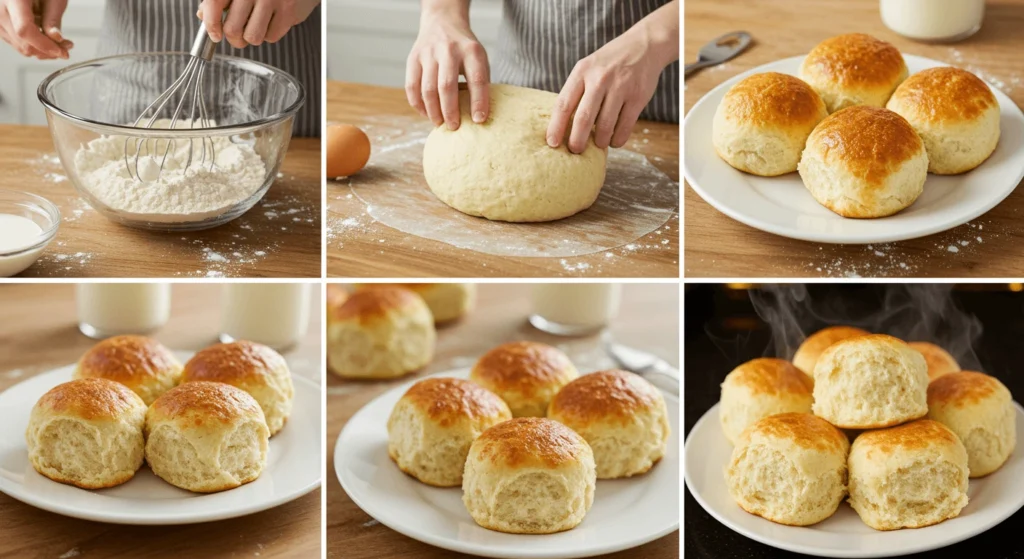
pixel 782 205
pixel 992 499
pixel 293 469
pixel 625 514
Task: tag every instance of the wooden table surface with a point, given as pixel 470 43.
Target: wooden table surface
pixel 357 252
pixel 38 332
pixel 717 246
pixel 648 320
pixel 279 237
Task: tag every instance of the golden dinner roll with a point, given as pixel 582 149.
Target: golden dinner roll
pixel 954 112
pixel 527 375
pixel 380 333
pixel 529 475
pixel 864 162
pixel 789 468
pixel 762 123
pixel 433 425
pixel 622 417
pixel 853 69
pixel 255 368
pixel 142 364
pixel 978 409
pixel 759 388
pixel 807 354
pixel 447 301
pixel 206 437
pixel 908 476
pixel 870 382
pixel 939 360
pixel 87 433
pixel 336 297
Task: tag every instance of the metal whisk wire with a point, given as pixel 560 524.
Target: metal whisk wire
pixel 191 84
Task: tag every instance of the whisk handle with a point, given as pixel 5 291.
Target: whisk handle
pixel 203 47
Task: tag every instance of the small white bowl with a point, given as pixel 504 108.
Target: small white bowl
pixel 43 213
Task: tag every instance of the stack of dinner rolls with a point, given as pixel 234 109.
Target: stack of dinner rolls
pixel 920 427
pixel 203 427
pixel 527 436
pixel 862 134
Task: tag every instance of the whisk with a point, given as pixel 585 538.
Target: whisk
pixel 186 90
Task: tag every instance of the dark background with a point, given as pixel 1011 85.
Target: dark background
pixel 722 329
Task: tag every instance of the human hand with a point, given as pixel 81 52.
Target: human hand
pixel 611 87
pixel 253 22
pixel 445 48
pixel 34 30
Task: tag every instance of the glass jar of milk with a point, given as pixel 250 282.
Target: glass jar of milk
pixel 574 309
pixel 933 20
pixel 272 314
pixel 111 309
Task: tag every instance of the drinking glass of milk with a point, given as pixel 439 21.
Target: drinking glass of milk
pixel 574 309
pixel 111 309
pixel 272 314
pixel 933 20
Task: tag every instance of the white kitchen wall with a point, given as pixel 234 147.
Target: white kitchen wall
pixel 369 40
pixel 20 76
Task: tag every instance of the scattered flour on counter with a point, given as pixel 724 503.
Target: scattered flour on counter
pixel 73 552
pixel 1005 84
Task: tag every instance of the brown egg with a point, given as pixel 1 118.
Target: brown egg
pixel 348 150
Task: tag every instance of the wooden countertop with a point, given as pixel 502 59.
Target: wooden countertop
pixel 648 320
pixel 357 252
pixel 717 246
pixel 38 332
pixel 279 237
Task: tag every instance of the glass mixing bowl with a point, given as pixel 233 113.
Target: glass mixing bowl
pixel 90 109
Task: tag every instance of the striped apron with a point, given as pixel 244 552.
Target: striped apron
pixel 540 41
pixel 171 25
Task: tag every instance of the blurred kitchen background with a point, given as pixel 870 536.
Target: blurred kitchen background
pixel 369 40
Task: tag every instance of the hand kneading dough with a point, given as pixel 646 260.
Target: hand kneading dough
pixel 979 409
pixel 529 476
pixel 789 468
pixel 853 69
pixel 504 169
pixel 87 433
pixel 763 122
pixel 864 162
pixel 954 112
pixel 909 476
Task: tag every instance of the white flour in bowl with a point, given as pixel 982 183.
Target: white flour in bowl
pixel 199 193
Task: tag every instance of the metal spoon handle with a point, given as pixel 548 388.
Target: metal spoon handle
pixel 695 66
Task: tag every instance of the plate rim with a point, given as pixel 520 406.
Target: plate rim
pixel 878 238
pixel 845 554
pixel 103 515
pixel 480 549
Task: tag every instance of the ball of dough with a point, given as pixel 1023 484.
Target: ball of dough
pixel 939 360
pixel 762 123
pixel 206 437
pixel 909 476
pixel 434 423
pixel 447 301
pixel 807 354
pixel 870 382
pixel 621 416
pixel 142 364
pixel 853 69
pixel 864 162
pixel 527 375
pixel 759 388
pixel 384 332
pixel 503 169
pixel 87 433
pixel 255 368
pixel 529 475
pixel 789 468
pixel 979 409
pixel 956 115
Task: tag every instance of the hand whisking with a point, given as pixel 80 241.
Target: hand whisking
pixel 186 90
